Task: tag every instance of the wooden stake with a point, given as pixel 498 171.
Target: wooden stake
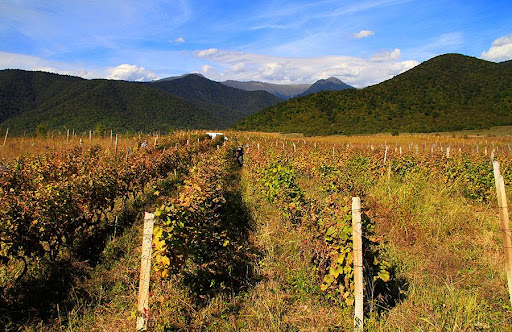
pixel 116 144
pixel 504 224
pixel 145 269
pixel 67 138
pixel 6 134
pixel 358 263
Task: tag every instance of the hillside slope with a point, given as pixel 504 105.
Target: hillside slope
pixel 448 92
pixel 23 90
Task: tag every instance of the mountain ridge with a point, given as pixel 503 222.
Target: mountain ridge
pixel 287 91
pixel 199 89
pixel 283 91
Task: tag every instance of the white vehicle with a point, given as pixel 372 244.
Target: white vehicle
pixel 213 135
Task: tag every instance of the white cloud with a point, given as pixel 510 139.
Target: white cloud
pixel 363 34
pixel 208 52
pixel 128 72
pixel 386 55
pixel 180 40
pixel 500 50
pixel 355 71
pixel 209 70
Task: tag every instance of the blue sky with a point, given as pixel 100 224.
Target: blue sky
pixel 360 42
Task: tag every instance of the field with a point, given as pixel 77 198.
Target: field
pixel 264 247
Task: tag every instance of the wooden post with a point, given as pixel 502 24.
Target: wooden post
pixel 145 269
pixel 504 224
pixel 358 263
pixel 115 227
pixel 111 137
pixel 386 154
pixel 116 145
pixel 67 138
pixel 6 134
pixel 90 135
pixel 294 148
pixel 447 152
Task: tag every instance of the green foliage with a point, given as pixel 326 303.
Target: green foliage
pixel 42 129
pixel 100 129
pixel 281 188
pixel 448 92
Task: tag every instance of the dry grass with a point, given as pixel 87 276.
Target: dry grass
pixel 448 248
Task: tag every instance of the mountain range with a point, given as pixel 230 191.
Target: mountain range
pixel 287 91
pixel 448 92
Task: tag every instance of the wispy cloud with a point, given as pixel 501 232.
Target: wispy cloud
pixel 445 43
pixel 363 34
pixel 500 50
pixel 179 40
pixel 356 71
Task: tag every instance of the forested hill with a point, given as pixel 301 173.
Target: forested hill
pixel 28 99
pixel 448 92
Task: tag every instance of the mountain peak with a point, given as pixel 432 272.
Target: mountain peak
pixel 332 79
pixel 329 84
pixel 172 78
